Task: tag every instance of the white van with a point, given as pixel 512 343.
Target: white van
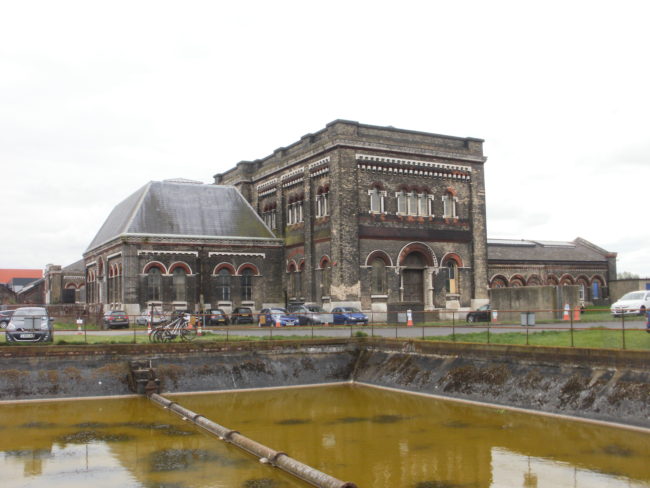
pixel 633 303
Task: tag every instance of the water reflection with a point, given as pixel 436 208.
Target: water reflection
pixel 372 437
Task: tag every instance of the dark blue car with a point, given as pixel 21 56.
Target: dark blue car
pixel 349 316
pixel 270 316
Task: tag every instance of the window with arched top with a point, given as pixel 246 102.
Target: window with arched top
pixel 154 284
pixel 452 276
pixel 179 284
pixel 378 277
pixel 223 284
pixel 449 206
pixel 326 277
pixel 247 284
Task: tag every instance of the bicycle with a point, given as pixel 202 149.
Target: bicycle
pixel 179 326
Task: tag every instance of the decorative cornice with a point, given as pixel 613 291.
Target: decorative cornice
pixel 413 167
pixel 247 254
pixel 267 184
pixel 142 252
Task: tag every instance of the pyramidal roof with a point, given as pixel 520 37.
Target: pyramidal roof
pixel 183 209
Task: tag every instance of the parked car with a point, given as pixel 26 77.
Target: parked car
pixel 481 314
pixel 5 317
pixel 216 316
pixel 241 315
pixel 115 319
pixel 633 303
pixel 311 314
pixel 349 316
pixel 28 325
pixel 145 318
pixel 269 317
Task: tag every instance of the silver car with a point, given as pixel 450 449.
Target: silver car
pixel 311 314
pixel 30 324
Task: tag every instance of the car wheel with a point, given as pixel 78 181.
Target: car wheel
pixel 471 319
pixel 3 325
pixel 642 310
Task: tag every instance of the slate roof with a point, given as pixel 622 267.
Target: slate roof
pixel 527 250
pixel 180 209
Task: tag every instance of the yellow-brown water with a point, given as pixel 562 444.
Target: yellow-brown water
pixel 372 437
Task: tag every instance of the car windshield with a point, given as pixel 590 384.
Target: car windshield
pixel 119 314
pixel 350 310
pixel 277 310
pixel 635 295
pixel 216 312
pixel 28 312
pixel 484 307
pixel 243 310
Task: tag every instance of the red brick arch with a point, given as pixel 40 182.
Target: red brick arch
pixel 227 266
pixel 377 254
pixel 180 264
pixel 426 251
pixel 246 266
pixel 154 264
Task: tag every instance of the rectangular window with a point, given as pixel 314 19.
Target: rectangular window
pixel 423 206
pixel 401 203
pixel 412 203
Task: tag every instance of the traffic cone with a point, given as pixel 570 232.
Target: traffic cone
pixel 565 316
pixel 409 318
pixel 148 327
pixel 277 322
pixel 79 331
pixel 199 331
pixel 576 313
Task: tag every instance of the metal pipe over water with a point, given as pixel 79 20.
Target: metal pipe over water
pixel 264 454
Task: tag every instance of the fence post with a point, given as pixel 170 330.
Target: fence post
pixel 571 316
pixel 488 332
pixel 453 332
pixel 623 333
pixel 527 329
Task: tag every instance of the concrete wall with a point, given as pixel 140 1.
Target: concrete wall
pixel 547 302
pixel 611 385
pixel 619 288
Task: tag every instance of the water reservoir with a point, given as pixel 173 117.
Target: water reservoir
pixel 373 437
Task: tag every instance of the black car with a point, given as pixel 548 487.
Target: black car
pixel 115 319
pixel 30 324
pixel 481 314
pixel 5 318
pixel 241 315
pixel 217 316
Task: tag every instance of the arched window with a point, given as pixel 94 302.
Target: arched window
pixel 247 284
pixel 449 206
pixel 378 277
pixel 179 283
pixel 326 277
pixel 154 284
pixel 223 285
pixel 452 276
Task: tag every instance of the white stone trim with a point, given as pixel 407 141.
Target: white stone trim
pixel 292 173
pixel 249 254
pixel 412 162
pixel 92 263
pixel 320 162
pixel 143 252
pixel 114 255
pixel 266 184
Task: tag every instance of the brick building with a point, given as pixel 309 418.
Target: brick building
pixel 514 263
pixel 379 218
pixel 374 217
pixel 180 245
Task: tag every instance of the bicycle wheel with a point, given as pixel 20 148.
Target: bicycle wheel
pixel 152 335
pixel 188 335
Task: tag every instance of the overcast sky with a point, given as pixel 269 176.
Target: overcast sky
pixel 98 98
